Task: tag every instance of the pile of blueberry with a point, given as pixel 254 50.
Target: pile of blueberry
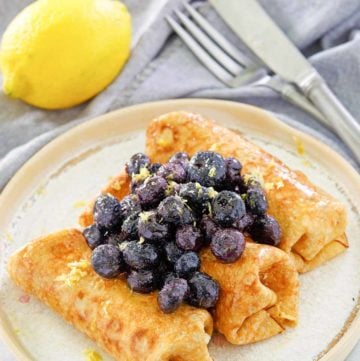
pixel 154 234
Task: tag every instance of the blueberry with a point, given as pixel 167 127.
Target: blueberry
pixel 173 252
pixel 169 276
pixel 180 157
pixel 107 212
pixel 140 255
pixel 93 236
pixel 244 223
pixel 187 264
pixel 207 168
pixel 188 238
pixel 136 162
pixel 173 172
pixel 197 196
pixel 152 192
pixel 227 207
pixel 150 228
pixel 203 291
pixel 154 167
pixel 247 182
pixel 256 202
pixel 130 204
pixel 227 245
pixel 107 261
pixel 208 228
pixel 142 281
pixel 130 226
pixel 174 210
pixel 116 238
pixel 172 294
pixel 233 169
pixel 265 230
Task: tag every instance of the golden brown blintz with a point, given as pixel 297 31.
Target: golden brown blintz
pixel 246 312
pixel 128 325
pixel 312 222
pixel 259 293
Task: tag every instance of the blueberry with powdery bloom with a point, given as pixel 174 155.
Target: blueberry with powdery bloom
pixel 107 261
pixel 256 202
pixel 130 226
pixel 207 168
pixel 203 290
pixel 93 236
pixel 144 281
pixel 174 210
pixel 173 172
pixel 243 224
pixel 172 295
pixel 227 207
pixel 266 230
pixel 180 157
pixel 107 212
pixel 208 228
pixel 140 255
pixel 172 252
pixel 130 204
pixel 151 192
pixel 150 228
pixel 188 238
pixel 187 264
pixel 154 167
pixel 137 161
pixel 227 245
pixel 197 196
pixel 233 170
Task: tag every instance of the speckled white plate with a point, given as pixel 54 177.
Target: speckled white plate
pixel 49 192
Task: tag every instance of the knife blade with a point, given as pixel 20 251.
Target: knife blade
pixel 268 42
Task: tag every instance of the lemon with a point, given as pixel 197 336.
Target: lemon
pixel 58 53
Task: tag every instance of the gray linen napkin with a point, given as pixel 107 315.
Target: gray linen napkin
pixel 161 67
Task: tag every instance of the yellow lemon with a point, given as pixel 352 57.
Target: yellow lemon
pixel 59 53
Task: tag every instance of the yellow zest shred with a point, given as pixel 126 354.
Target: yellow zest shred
pixel 80 204
pixel 212 172
pixel 91 355
pixel 144 173
pixel 166 138
pixel 212 192
pixel 78 270
pixel 117 184
pixel 299 146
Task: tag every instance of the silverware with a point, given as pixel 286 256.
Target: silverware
pixel 258 31
pixel 227 63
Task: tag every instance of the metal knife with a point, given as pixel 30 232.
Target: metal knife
pixel 259 32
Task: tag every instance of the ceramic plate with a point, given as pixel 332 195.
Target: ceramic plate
pixel 50 191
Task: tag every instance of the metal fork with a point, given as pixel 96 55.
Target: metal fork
pixel 228 64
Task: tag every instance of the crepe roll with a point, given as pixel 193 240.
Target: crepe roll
pixel 128 325
pixel 259 293
pixel 312 222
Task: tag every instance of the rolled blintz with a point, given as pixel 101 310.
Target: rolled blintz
pixel 128 325
pixel 312 222
pixel 259 293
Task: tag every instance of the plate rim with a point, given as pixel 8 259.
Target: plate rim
pixel 347 340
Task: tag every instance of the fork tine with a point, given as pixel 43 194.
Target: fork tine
pixel 217 37
pixel 200 53
pixel 214 50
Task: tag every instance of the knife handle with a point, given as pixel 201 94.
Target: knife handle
pixel 347 128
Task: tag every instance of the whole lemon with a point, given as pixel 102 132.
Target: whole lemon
pixel 59 53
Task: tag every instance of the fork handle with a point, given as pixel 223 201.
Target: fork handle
pixel 347 128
